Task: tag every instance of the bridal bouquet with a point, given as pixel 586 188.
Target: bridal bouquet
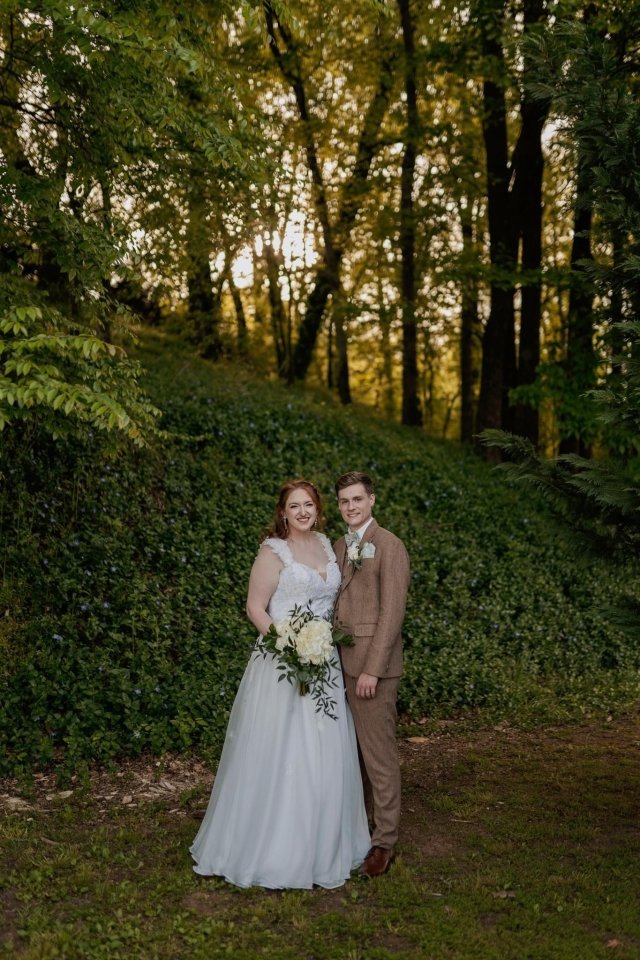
pixel 303 645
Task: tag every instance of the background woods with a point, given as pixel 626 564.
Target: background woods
pixel 382 198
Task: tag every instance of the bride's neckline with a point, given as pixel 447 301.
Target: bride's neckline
pixel 323 574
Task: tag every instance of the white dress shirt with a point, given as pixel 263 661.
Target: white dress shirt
pixel 361 530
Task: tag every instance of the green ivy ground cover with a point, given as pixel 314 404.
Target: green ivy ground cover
pixel 124 575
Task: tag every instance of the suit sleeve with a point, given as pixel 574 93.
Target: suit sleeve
pixel 394 585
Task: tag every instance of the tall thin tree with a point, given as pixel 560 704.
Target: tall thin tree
pixel 411 413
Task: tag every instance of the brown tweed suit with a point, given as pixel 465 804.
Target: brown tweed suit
pixel 371 606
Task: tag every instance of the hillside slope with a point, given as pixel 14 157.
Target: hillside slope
pixel 125 577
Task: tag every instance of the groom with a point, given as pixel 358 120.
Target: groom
pixel 370 606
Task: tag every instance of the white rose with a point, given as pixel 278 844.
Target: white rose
pixel 314 642
pixel 286 634
pixel 352 552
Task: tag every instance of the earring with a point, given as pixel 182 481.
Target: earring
pixel 315 522
pixel 285 522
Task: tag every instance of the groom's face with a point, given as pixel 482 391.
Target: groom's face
pixel 355 505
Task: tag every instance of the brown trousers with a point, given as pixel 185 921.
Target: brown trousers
pixel 375 723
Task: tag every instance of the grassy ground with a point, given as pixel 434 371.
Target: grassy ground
pixel 515 845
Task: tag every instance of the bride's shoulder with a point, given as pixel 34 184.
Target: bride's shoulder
pixel 277 546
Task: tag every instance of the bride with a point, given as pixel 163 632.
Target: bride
pixel 287 807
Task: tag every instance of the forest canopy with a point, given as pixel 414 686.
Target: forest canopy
pixel 392 199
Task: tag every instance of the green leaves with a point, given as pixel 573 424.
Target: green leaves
pixel 70 381
pixel 91 177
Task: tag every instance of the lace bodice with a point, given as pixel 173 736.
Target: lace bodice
pixel 300 584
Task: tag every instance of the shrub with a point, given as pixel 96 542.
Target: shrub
pixel 125 572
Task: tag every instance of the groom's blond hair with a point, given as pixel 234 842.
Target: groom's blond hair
pixel 348 480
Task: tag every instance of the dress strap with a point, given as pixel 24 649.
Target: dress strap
pixel 326 543
pixel 281 549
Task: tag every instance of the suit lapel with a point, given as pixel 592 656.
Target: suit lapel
pixel 369 532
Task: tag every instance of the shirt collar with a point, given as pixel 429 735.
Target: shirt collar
pixel 361 530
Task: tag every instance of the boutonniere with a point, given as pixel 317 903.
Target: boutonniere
pixel 357 552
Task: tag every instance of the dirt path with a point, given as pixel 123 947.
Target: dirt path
pixel 513 844
pixel 444 758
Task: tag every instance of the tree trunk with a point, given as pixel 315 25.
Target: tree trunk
pixel 204 313
pixel 278 316
pixel 342 373
pixel 327 279
pixel 529 168
pixel 470 328
pixel 616 311
pixel 330 354
pixel 325 284
pixel 335 235
pixel 580 359
pixel 510 371
pixel 241 318
pixel 497 347
pixel 411 413
pixel 385 316
pixel 525 415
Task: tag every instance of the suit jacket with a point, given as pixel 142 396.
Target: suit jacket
pixel 371 603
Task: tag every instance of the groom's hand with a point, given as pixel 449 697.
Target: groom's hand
pixel 366 686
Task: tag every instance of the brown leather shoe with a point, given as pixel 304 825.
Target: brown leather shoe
pixel 377 862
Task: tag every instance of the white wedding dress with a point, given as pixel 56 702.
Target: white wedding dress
pixel 287 807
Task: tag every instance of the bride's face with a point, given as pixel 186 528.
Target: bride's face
pixel 300 511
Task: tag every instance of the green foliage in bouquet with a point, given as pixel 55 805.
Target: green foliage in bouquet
pixel 304 648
